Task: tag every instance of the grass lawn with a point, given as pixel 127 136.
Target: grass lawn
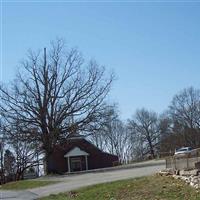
pixel 25 184
pixel 145 188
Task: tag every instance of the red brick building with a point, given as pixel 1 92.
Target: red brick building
pixel 78 154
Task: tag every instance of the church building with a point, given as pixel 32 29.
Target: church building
pixel 78 154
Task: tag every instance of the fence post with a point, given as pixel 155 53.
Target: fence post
pixel 174 163
pixel 187 161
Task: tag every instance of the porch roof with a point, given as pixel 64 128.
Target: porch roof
pixel 76 151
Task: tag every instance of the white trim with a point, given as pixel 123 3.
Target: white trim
pixel 76 151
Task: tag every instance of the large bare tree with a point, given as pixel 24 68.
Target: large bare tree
pixel 145 127
pixel 56 92
pixel 185 108
pixel 184 112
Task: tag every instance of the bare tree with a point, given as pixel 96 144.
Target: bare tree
pixel 166 130
pixel 2 152
pixel 185 108
pixel 51 90
pixel 184 111
pixel 9 163
pixel 145 128
pixel 21 142
pixel 111 136
pixel 137 145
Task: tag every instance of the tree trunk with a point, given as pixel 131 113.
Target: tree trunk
pixel 151 148
pixel 19 175
pixel 47 168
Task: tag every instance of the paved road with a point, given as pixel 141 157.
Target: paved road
pixel 76 181
pixel 17 195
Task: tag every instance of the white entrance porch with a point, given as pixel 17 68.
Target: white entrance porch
pixel 75 162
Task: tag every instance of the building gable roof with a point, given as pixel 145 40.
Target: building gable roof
pixel 76 151
pixel 69 144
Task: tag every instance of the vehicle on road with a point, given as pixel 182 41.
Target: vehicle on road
pixel 183 150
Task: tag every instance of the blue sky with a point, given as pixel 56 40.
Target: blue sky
pixel 154 48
